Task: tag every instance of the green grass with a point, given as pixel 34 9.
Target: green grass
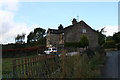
pixel 7 64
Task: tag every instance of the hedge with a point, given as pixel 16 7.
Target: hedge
pixel 21 51
pixel 110 44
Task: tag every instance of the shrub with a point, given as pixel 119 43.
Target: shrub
pixel 110 44
pixel 78 66
pixel 90 53
pixel 72 44
pixel 21 51
pixel 84 42
pixel 118 46
pixel 116 37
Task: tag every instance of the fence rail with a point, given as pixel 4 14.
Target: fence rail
pixel 35 67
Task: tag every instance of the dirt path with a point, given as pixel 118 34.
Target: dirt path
pixel 112 69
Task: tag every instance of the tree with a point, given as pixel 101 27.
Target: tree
pixel 17 38
pixel 37 34
pixel 101 37
pixel 23 36
pixel 84 42
pixel 102 30
pixel 41 41
pixel 30 37
pixel 20 38
pixel 116 37
pixel 109 44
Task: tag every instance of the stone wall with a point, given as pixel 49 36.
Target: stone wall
pixel 54 39
pixel 73 34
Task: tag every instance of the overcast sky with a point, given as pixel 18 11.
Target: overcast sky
pixel 22 17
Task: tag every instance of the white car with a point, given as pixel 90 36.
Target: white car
pixel 50 50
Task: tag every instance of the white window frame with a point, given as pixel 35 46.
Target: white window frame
pixel 84 30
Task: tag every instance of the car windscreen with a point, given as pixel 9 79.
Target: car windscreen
pixel 54 49
pixel 49 49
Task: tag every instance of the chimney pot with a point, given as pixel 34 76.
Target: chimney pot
pixel 74 21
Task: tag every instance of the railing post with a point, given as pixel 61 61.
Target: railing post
pixel 14 69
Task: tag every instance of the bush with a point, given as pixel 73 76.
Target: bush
pixel 118 46
pixel 84 42
pixel 22 51
pixel 90 53
pixel 78 66
pixel 116 37
pixel 110 44
pixel 72 44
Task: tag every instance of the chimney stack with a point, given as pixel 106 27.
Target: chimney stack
pixel 60 27
pixel 74 21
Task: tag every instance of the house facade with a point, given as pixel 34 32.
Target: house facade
pixel 72 33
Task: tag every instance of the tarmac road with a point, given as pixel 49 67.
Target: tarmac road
pixel 118 64
pixel 112 66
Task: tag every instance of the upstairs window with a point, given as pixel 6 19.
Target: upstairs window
pixel 84 31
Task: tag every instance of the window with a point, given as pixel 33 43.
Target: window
pixel 84 30
pixel 54 49
pixel 49 49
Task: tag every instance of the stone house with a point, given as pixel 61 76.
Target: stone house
pixel 72 33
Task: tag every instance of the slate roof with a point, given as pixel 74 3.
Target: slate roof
pixel 81 22
pixel 58 31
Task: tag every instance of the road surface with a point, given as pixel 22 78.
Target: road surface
pixel 112 66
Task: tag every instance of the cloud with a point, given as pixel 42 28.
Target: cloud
pixel 11 5
pixel 8 27
pixel 110 30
